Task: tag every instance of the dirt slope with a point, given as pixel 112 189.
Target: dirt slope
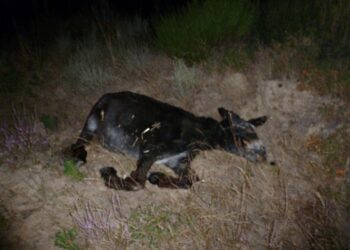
pixel 260 201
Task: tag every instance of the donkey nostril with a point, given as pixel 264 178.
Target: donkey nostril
pixel 263 157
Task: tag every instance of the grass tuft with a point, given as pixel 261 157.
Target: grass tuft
pixel 66 239
pixel 153 225
pixel 136 58
pixel 85 68
pixel 102 226
pixel 71 170
pixel 185 78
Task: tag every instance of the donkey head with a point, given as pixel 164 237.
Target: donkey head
pixel 241 137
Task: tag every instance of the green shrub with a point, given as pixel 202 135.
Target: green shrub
pixel 50 122
pixel 325 20
pixel 65 239
pixel 191 33
pixel 71 169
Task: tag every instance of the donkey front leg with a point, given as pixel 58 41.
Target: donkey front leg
pixel 135 181
pixel 186 178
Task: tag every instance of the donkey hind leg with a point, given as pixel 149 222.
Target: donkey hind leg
pixel 186 177
pixel 78 149
pixel 89 130
pixel 135 181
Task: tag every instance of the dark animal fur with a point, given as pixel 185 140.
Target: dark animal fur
pixel 156 132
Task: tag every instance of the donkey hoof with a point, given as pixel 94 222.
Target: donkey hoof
pixel 107 172
pixel 79 153
pixel 156 177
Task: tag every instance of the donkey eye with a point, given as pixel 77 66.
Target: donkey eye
pixel 244 142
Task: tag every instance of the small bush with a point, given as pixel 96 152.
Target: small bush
pixel 66 238
pixel 126 40
pixel 22 133
pixel 87 66
pixel 85 69
pixel 190 34
pixel 185 78
pixel 128 44
pixel 137 58
pixel 71 170
pixel 50 122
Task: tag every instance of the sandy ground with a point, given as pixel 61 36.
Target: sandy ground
pixel 39 199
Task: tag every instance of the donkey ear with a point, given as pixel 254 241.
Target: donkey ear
pixel 258 121
pixel 224 113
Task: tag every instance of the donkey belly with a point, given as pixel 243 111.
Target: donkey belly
pixel 116 140
pixel 172 160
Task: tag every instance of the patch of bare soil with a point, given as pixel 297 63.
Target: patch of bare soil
pixel 235 205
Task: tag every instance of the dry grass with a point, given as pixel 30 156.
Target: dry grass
pixel 99 226
pixel 296 204
pixel 242 206
pixel 86 67
pixel 185 78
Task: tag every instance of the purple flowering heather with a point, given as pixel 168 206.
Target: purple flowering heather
pixel 96 223
pixel 93 223
pixel 22 133
pixel 99 219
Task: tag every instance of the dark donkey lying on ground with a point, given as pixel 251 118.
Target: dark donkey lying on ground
pixel 156 132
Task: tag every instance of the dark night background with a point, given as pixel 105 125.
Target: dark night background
pixel 287 59
pixel 275 19
pixel 22 14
